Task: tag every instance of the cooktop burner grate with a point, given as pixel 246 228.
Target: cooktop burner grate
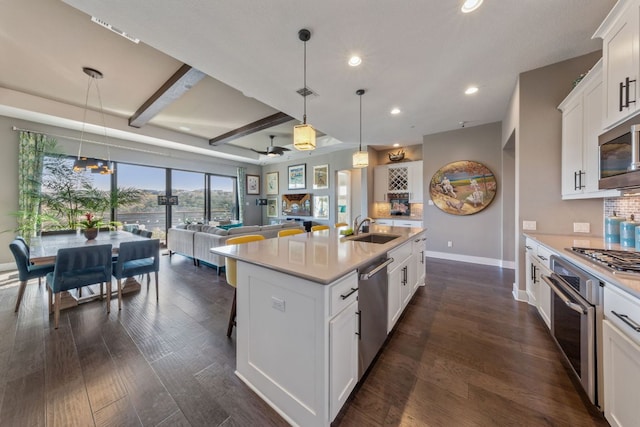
pixel 628 261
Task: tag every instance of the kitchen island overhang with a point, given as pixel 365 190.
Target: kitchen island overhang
pixel 297 318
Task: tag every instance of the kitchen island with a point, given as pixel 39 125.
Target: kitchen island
pixel 298 314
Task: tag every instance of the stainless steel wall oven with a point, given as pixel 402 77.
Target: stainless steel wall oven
pixel 576 314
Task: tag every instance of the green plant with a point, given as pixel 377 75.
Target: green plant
pixel 90 221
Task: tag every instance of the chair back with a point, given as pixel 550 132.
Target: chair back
pixel 80 266
pixel 136 258
pixel 340 224
pixel 290 232
pixel 146 233
pixel 20 252
pixel 319 227
pixel 136 231
pixel 229 263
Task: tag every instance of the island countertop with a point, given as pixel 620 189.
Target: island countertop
pixel 322 256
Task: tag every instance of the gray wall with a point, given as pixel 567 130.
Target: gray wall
pixel 538 137
pixel 149 155
pixel 478 235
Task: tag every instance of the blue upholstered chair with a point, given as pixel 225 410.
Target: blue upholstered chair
pixel 136 258
pixel 146 233
pixel 26 271
pixel 78 267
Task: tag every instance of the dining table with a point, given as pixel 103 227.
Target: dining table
pixel 44 249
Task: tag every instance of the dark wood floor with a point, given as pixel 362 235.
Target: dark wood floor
pixel 464 354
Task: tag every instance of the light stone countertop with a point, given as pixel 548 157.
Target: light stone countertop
pixel 323 256
pixel 557 243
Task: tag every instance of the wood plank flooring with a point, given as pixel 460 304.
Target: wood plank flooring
pixel 463 354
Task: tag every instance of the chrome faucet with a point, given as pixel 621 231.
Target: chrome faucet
pixel 356 225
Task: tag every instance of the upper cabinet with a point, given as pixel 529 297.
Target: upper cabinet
pixel 581 124
pixel 398 178
pixel 620 34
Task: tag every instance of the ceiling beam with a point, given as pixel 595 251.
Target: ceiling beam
pixel 177 85
pixel 265 123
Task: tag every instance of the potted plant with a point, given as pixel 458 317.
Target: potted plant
pixel 90 223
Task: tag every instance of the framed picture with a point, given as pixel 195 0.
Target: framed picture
pixel 272 207
pixel 272 183
pixel 298 177
pixel 253 184
pixel 320 177
pixel 321 207
pixel 296 204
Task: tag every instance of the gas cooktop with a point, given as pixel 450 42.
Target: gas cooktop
pixel 617 260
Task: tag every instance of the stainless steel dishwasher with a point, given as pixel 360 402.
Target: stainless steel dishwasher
pixel 372 306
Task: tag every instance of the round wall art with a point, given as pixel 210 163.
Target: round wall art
pixel 464 187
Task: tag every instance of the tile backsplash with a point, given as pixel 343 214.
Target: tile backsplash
pixel 623 206
pixel 383 210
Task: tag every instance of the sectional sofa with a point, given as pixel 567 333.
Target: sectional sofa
pixel 195 240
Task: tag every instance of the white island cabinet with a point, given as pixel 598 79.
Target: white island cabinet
pixel 297 334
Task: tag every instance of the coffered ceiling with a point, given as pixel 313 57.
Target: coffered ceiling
pixel 418 56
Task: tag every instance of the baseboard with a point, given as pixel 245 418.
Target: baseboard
pixel 519 294
pixel 471 259
pixel 8 266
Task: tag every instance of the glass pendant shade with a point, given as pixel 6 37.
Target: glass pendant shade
pixel 360 159
pixel 304 137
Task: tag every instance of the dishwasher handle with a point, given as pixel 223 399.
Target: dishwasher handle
pixel 370 274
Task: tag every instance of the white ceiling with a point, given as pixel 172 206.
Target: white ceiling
pixel 417 55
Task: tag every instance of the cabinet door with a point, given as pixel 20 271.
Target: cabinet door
pixel 380 183
pixel 415 182
pixel 409 281
pixel 543 297
pixel 572 148
pixel 394 302
pixel 592 127
pixel 621 360
pixel 530 271
pixel 398 179
pixel 620 50
pixel 418 254
pixel 343 357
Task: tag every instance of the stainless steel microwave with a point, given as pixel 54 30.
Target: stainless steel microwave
pixel 620 157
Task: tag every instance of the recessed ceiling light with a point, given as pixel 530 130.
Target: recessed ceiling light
pixel 470 5
pixel 396 145
pixel 355 60
pixel 184 128
pixel 471 90
pixel 395 111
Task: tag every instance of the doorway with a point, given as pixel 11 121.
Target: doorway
pixel 343 197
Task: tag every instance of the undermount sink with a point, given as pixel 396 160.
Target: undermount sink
pixel 374 238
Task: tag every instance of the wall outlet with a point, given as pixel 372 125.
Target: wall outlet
pixel 450 244
pixel 581 227
pixel 529 225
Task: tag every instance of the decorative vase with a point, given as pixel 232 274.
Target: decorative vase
pixel 90 233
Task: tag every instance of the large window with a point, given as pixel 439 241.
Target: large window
pixel 151 182
pixel 223 198
pixel 189 187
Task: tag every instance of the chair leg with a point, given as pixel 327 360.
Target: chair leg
pixel 232 315
pixel 23 286
pixel 157 295
pixel 39 281
pixel 101 291
pixel 108 297
pixel 50 292
pixel 56 315
pixel 79 292
pixel 119 294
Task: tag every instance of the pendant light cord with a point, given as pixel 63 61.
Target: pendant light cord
pixel 360 149
pixel 104 125
pixel 84 116
pixel 304 115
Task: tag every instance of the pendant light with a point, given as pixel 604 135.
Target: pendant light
pixel 304 135
pixel 360 158
pixel 83 163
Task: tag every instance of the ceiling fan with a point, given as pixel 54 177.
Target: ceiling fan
pixel 272 151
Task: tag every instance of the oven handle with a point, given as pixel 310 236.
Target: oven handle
pixel 551 281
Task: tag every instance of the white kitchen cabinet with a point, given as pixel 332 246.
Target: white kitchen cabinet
pixel 398 178
pixel 581 125
pixel 343 357
pixel 621 357
pixel 407 223
pixel 538 292
pixel 620 33
pixel 418 247
pixel 399 288
pixel 383 221
pixel 531 249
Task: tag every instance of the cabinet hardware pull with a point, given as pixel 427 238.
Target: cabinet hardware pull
pixel 626 319
pixel 348 294
pixel 528 247
pixel 542 258
pixel 421 257
pixel 575 180
pixel 620 91
pixel 627 87
pixel 581 185
pixel 359 314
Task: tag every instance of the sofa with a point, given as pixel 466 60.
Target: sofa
pixel 195 240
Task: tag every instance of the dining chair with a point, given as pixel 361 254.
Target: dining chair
pixel 136 258
pixel 75 268
pixel 319 227
pixel 231 276
pixel 290 232
pixel 26 270
pixel 136 231
pixel 341 224
pixel 146 233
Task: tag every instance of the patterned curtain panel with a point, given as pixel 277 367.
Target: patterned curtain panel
pixel 31 153
pixel 242 172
